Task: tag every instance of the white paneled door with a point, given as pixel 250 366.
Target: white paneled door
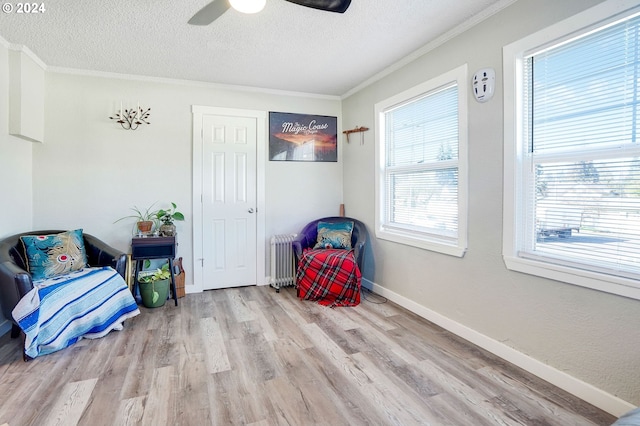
pixel 229 201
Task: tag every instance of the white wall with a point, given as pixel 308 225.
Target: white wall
pixel 90 171
pixel 589 335
pixel 15 169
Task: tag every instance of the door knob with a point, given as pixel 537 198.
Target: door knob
pixel 250 210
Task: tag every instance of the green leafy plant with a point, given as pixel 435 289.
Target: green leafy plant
pixel 169 215
pixel 162 273
pixel 141 215
pixel 159 274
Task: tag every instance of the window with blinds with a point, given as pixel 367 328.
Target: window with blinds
pixel 577 166
pixel 420 170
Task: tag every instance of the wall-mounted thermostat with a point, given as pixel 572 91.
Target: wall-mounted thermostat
pixel 484 83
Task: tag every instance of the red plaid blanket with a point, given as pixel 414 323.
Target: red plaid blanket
pixel 329 276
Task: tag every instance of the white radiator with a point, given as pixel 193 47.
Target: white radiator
pixel 282 261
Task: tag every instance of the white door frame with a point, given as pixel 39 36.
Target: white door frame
pixel 261 149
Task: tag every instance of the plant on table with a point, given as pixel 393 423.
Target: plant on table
pixel 167 217
pixel 144 218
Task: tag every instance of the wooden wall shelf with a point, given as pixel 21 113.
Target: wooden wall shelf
pixel 355 130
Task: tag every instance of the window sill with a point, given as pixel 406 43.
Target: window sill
pixel 422 243
pixel 606 283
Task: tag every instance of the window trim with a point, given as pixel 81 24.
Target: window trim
pixel 454 247
pixel 514 158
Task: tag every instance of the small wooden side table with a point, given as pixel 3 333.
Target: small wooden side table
pixel 143 248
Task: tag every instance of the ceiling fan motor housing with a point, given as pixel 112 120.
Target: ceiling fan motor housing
pixel 338 6
pixel 216 8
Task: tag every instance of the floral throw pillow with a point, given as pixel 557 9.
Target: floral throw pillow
pixel 54 254
pixel 334 235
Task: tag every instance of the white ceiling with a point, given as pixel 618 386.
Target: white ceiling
pixel 284 47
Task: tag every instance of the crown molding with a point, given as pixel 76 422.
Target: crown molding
pixel 191 83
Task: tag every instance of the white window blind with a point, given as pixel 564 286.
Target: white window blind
pixel 421 170
pixel 581 178
pixel 421 165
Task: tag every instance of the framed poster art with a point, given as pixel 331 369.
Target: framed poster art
pixel 302 137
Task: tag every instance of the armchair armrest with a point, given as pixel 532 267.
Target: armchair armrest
pixel 101 254
pixel 15 282
pixel 357 252
pixel 299 243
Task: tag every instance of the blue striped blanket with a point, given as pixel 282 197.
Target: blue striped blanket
pixel 59 311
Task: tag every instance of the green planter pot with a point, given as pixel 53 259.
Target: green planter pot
pixel 161 290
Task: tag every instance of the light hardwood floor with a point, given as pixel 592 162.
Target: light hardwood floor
pixel 251 356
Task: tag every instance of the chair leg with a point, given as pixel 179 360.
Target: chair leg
pixel 15 331
pixel 25 357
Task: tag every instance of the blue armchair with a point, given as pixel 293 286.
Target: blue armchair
pixel 330 274
pixel 308 236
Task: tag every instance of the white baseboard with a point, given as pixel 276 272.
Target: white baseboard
pixel 589 393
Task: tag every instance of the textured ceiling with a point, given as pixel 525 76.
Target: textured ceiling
pixel 284 47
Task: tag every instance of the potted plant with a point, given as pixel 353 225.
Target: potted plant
pixel 154 287
pixel 168 228
pixel 145 219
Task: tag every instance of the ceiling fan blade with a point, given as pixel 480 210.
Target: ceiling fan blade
pixel 338 6
pixel 210 12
